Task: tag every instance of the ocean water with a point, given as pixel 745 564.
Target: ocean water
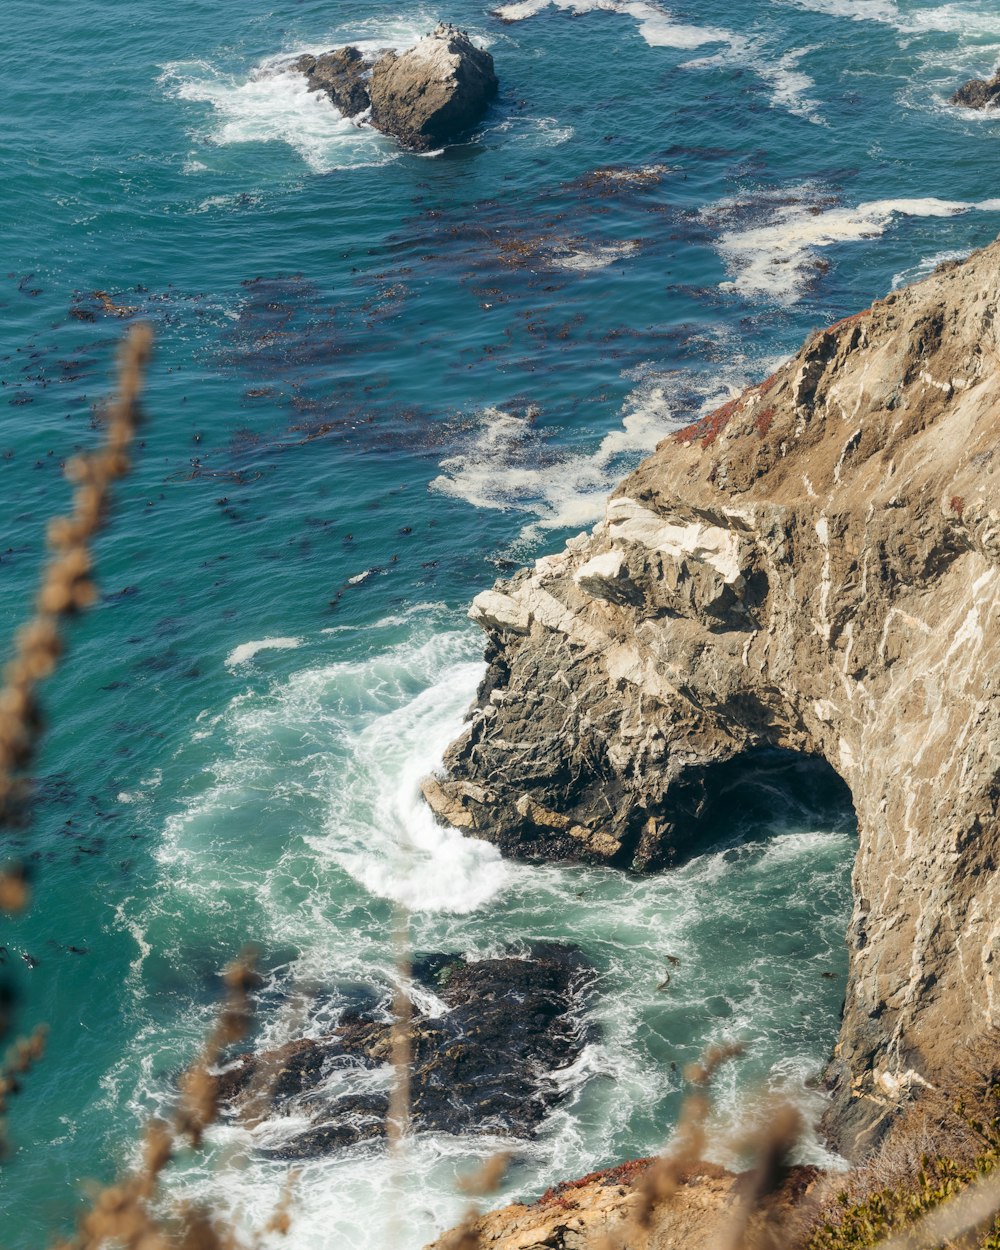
pixel 382 380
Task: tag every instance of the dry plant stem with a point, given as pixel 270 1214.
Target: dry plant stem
pixel 399 1100
pixel 771 1148
pixel 122 1214
pixel 662 1180
pixel 398 1118
pixel 66 586
pixel 487 1180
pixel 199 1088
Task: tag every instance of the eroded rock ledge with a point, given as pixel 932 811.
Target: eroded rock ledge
pixel 814 567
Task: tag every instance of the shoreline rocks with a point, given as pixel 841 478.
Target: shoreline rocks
pixel 483 1065
pixel 428 96
pixel 814 567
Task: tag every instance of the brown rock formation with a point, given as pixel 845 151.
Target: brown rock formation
pixel 432 94
pixel 813 567
pixel 600 1210
pixel 435 92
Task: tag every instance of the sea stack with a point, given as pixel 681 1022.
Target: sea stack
pixel 431 95
pixel 813 567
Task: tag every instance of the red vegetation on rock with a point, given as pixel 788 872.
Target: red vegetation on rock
pixel 623 1174
pixel 847 321
pixel 763 421
pixel 708 429
pixel 957 505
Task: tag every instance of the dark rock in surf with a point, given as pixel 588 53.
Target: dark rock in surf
pixel 435 92
pixel 979 93
pixel 482 1065
pixel 342 75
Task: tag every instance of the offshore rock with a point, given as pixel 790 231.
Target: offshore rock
pixel 484 1064
pixel 432 94
pixel 342 75
pixel 979 93
pixel 814 567
pixel 435 92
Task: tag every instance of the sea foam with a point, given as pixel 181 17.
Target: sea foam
pixel 655 24
pixel 507 464
pixel 246 651
pixel 777 259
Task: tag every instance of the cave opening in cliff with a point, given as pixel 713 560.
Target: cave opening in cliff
pixel 766 790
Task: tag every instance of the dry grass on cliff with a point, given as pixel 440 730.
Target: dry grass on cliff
pixel 936 1179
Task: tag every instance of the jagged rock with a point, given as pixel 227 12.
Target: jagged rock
pixel 602 1210
pixel 342 75
pixel 435 92
pixel 483 1065
pixel 814 567
pixel 979 93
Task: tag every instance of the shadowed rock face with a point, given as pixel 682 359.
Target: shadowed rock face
pixel 979 93
pixel 435 92
pixel 813 567
pixel 483 1064
pixel 342 75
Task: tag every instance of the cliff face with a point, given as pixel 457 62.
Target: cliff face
pixel 814 567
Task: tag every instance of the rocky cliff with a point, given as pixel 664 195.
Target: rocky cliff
pixel 813 567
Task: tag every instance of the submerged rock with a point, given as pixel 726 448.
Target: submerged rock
pixel 979 93
pixel 342 75
pixel 813 567
pixel 430 95
pixel 483 1065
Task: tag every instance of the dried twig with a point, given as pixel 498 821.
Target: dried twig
pixel 66 585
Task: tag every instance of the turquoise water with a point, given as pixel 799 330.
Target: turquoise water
pixel 380 381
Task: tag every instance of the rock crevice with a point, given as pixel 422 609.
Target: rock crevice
pixel 815 567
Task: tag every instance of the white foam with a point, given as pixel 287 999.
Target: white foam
pixel 655 24
pixel 926 266
pixel 973 21
pixel 273 104
pixel 789 84
pixel 884 11
pixel 505 465
pixel 777 259
pixel 584 259
pixel 386 838
pixel 245 652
